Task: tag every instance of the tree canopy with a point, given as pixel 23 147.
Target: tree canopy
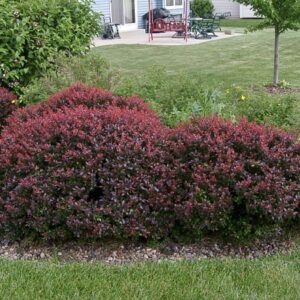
pixel 282 15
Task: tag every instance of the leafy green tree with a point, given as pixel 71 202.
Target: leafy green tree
pixel 33 33
pixel 283 15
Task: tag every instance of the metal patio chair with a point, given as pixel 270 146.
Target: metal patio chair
pixel 203 29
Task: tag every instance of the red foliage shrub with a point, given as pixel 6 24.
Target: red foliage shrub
pixel 86 164
pixel 80 94
pixel 83 172
pixel 235 177
pixel 6 105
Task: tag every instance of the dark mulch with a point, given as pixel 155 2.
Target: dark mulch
pixel 116 252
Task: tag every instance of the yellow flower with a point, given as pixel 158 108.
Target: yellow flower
pixel 13 102
pixel 243 98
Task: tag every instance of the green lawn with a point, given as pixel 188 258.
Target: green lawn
pixel 240 23
pixel 244 60
pixel 273 278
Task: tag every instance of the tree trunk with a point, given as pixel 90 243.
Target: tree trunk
pixel 276 56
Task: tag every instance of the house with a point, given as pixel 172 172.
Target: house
pixel 237 10
pixel 129 13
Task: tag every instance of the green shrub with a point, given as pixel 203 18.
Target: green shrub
pixel 259 106
pixel 202 8
pixel 90 69
pixel 34 32
pixel 179 97
pixel 175 97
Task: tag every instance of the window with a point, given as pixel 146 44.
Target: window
pixel 172 3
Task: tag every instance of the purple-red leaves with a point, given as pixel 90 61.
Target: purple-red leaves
pixel 87 163
pixel 238 175
pixel 84 172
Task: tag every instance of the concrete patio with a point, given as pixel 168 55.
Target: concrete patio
pixel 163 39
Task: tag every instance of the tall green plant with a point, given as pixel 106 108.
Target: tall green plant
pixel 33 33
pixel 283 15
pixel 90 69
pixel 202 8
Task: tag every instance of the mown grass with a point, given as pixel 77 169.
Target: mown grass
pixel 243 60
pixel 240 23
pixel 273 278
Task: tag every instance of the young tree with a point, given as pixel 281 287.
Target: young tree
pixel 283 15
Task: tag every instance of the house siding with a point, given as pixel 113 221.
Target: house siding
pixel 174 11
pixel 221 6
pixel 102 6
pixel 143 9
pixel 226 6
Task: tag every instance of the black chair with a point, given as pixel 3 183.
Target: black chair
pixel 110 30
pixel 216 23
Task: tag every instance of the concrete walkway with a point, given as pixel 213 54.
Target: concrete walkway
pixel 164 39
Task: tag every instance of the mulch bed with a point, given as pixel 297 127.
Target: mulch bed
pixel 115 253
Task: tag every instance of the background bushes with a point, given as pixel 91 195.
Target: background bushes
pixel 178 98
pixel 257 105
pixel 33 33
pixel 175 97
pixel 90 69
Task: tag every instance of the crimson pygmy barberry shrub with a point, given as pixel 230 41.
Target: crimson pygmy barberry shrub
pixel 235 178
pixel 86 163
pixel 82 172
pixel 80 94
pixel 7 105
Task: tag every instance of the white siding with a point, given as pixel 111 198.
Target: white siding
pixel 102 6
pixel 174 11
pixel 143 9
pixel 247 12
pixel 222 6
